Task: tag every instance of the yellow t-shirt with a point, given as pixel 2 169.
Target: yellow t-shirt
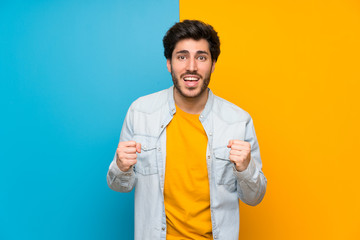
pixel 187 190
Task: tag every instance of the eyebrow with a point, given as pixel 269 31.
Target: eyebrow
pixel 198 52
pixel 202 52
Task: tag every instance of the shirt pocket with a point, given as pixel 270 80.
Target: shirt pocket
pixel 146 160
pixel 224 171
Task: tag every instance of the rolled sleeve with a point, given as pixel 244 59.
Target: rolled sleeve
pixel 118 180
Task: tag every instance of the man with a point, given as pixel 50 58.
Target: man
pixel 189 154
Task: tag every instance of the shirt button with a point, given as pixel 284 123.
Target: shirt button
pixel 201 116
pixel 162 126
pixel 210 134
pixel 208 156
pixel 215 237
pixel 163 229
pixel 159 149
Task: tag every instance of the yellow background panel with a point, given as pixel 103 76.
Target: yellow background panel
pixel 294 66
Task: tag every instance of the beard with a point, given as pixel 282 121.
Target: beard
pixel 203 88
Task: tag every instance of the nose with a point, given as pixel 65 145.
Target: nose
pixel 192 65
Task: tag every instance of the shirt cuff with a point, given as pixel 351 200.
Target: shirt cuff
pixel 247 173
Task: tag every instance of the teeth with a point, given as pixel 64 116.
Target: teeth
pixel 191 79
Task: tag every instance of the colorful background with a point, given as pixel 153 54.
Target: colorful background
pixel 70 69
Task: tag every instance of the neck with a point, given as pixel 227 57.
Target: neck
pixel 192 105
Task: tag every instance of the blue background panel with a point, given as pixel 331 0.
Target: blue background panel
pixel 69 70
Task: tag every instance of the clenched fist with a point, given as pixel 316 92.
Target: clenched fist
pixel 126 154
pixel 240 154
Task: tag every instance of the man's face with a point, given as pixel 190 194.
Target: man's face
pixel 191 67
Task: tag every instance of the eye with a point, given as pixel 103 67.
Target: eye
pixel 181 57
pixel 202 58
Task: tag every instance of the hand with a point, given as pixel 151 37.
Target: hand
pixel 126 154
pixel 240 154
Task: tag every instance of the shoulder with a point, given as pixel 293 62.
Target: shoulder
pixel 150 103
pixel 228 111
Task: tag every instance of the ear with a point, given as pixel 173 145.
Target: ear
pixel 168 65
pixel 213 67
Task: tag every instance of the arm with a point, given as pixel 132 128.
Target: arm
pixel 251 182
pixel 117 179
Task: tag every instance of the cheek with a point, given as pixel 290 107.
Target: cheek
pixel 177 69
pixel 207 70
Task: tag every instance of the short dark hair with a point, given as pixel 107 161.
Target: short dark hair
pixel 192 29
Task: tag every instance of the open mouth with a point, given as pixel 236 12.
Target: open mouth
pixel 191 78
pixel 191 81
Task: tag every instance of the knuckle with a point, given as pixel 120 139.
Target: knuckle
pixel 121 155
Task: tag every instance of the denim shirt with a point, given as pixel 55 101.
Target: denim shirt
pixel 146 123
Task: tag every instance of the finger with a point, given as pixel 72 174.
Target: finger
pixel 235 158
pixel 240 147
pixel 240 142
pixel 236 152
pixel 127 144
pixel 230 143
pixel 138 147
pixel 123 155
pixel 129 150
pixel 131 162
pixel 130 156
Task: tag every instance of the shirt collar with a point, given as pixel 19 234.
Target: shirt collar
pixel 204 113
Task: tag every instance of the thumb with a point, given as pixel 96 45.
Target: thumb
pixel 230 143
pixel 138 147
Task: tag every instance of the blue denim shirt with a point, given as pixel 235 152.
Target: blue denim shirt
pixel 146 123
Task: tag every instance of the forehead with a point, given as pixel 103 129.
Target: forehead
pixel 192 45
